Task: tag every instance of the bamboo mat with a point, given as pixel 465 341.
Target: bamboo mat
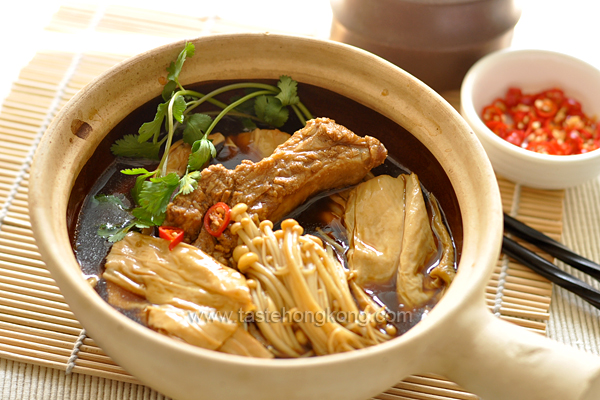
pixel 36 326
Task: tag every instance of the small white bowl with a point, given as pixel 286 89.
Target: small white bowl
pixel 532 71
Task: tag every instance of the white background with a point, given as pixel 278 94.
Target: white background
pixel 566 26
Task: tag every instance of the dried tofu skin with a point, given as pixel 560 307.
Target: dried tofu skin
pixel 144 265
pixel 418 247
pixel 203 327
pixel 194 298
pixel 444 272
pixel 243 343
pixel 375 222
pixel 265 141
pixel 178 158
pixel 258 144
pixel 391 238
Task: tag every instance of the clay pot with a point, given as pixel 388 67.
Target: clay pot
pixel 459 338
pixel 435 40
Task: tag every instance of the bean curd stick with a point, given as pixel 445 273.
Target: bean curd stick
pixel 444 272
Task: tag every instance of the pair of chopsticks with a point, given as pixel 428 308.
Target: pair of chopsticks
pixel 545 268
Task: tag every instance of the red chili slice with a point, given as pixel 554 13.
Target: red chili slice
pixel 585 134
pixel 539 147
pixel 515 136
pixel 513 96
pixel 527 99
pixel 545 108
pixel 556 148
pixel 555 95
pixel 572 105
pixel 217 218
pixel 498 127
pixel 492 113
pixel 574 142
pixel 172 234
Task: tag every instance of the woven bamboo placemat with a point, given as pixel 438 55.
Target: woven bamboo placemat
pixel 36 326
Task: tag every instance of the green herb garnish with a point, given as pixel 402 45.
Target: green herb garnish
pixel 154 190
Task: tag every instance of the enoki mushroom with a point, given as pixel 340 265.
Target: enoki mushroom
pixel 301 291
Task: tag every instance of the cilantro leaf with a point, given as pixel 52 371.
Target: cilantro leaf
pixel 152 128
pixel 289 91
pixel 114 233
pixel 196 125
pixel 168 90
pixel 248 124
pixel 270 110
pixel 144 219
pixel 246 107
pixel 189 182
pixel 136 171
pixel 179 106
pixel 202 151
pixel 156 193
pixel 129 146
pixel 137 187
pixel 111 198
pixel 175 68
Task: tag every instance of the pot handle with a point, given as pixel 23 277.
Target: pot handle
pixel 498 361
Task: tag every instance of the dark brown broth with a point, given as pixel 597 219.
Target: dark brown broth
pixel 101 176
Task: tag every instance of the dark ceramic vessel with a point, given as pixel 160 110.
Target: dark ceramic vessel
pixel 435 40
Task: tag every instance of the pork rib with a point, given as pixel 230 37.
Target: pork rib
pixel 321 156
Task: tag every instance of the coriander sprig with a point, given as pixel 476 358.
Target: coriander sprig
pixel 153 190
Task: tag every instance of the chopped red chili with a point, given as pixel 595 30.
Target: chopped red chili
pixel 545 108
pixel 547 122
pixel 492 113
pixel 172 234
pixel 515 137
pixel 513 95
pixel 217 218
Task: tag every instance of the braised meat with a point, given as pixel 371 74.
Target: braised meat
pixel 321 156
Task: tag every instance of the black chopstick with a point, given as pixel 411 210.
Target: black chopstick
pixel 550 271
pixel 551 246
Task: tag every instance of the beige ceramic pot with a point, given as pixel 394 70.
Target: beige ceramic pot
pixel 459 339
